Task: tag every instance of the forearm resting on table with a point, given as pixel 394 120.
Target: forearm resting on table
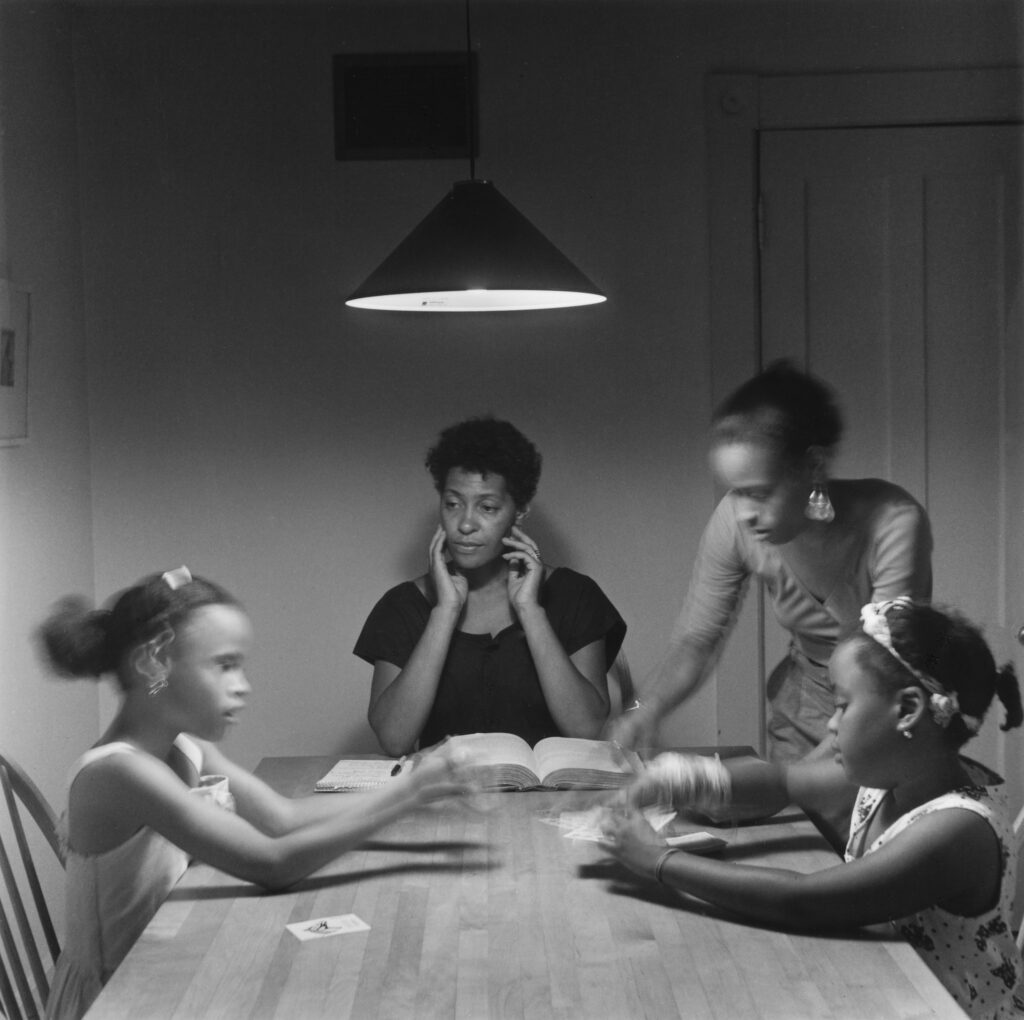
pixel 770 895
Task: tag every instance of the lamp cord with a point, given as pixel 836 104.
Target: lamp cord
pixel 470 105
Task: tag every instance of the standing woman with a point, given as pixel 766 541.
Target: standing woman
pixel 823 547
pixel 489 639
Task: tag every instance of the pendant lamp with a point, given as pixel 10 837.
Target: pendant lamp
pixel 474 252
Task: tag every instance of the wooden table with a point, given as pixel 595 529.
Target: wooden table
pixel 495 913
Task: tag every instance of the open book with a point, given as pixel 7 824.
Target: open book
pixel 507 762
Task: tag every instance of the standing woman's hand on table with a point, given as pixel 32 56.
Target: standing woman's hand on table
pixel 636 727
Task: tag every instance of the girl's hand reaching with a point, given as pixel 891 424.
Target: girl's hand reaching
pixel 451 589
pixel 443 771
pixel 526 570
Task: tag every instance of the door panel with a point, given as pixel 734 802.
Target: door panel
pixel 891 267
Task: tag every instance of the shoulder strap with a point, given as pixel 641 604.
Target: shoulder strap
pixel 191 750
pixel 96 753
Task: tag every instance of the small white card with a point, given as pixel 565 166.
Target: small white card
pixel 587 824
pixel 323 927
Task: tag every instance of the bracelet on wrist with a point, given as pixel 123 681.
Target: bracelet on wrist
pixel 659 864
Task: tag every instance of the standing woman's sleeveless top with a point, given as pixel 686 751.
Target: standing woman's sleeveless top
pixel 111 896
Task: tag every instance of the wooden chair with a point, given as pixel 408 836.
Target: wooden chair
pixel 1018 832
pixel 24 984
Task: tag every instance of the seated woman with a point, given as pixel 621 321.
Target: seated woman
pixel 489 639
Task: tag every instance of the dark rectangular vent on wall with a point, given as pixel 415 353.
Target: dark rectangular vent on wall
pixel 404 105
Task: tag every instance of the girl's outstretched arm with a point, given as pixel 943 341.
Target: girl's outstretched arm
pixel 921 867
pixel 751 788
pixel 146 790
pixel 265 808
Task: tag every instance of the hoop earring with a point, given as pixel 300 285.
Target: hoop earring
pixel 819 506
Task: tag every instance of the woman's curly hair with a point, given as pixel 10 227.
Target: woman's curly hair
pixel 486 446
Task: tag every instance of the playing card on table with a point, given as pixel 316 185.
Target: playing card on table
pixel 322 927
pixel 586 825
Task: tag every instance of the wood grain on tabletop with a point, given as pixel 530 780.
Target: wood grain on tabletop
pixel 491 913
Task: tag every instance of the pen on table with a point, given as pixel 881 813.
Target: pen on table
pixel 398 766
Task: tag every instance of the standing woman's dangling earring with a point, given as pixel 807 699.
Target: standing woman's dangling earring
pixel 819 506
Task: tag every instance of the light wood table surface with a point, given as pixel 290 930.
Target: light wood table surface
pixel 495 914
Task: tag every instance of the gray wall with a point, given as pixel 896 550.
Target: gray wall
pixel 246 422
pixel 45 512
pixel 241 419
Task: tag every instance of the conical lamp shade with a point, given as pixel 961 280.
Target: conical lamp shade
pixel 475 252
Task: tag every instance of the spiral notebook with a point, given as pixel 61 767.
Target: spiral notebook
pixel 358 774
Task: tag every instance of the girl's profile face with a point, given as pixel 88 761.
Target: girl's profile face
pixel 770 493
pixel 477 512
pixel 207 685
pixel 864 722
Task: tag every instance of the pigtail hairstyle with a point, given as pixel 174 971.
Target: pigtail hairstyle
pixel 947 647
pixel 78 641
pixel 1008 692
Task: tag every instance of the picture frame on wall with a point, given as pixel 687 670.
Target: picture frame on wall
pixel 404 106
pixel 14 341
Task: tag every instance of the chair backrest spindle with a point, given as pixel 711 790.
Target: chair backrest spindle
pixel 24 975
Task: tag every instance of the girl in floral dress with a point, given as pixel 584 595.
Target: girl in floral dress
pixel 930 848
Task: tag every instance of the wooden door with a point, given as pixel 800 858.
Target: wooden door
pixel 890 265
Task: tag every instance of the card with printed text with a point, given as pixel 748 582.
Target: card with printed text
pixel 323 927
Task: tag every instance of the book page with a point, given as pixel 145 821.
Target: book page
pixel 506 762
pixel 496 749
pixel 575 761
pixel 357 774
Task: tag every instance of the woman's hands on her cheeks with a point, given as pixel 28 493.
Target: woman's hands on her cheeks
pixel 629 838
pixel 526 570
pixel 451 589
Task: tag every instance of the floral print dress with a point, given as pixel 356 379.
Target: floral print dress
pixel 976 958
